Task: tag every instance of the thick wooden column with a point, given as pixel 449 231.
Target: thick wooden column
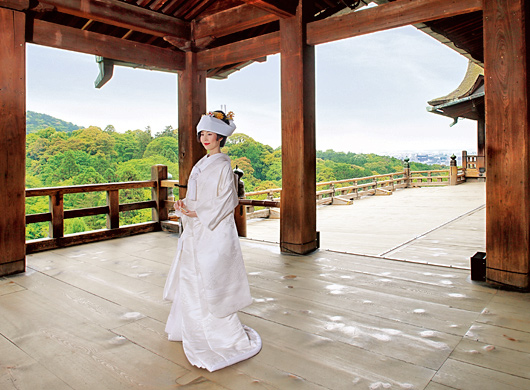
pixel 298 206
pixel 507 143
pixel 191 105
pixel 12 142
pixel 481 142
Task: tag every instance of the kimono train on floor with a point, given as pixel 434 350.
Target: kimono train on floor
pixel 207 281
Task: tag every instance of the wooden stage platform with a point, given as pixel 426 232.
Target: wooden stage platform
pixel 92 317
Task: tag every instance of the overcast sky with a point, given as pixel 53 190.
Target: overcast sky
pixel 372 94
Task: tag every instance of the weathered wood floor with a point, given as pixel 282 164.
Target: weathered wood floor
pixel 91 317
pixel 435 225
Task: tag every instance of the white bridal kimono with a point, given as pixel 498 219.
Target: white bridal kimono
pixel 207 281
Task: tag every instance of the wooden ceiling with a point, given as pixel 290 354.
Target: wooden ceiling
pixel 228 34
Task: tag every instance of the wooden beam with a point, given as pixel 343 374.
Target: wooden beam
pixel 282 9
pixel 232 21
pixel 17 5
pixel 68 38
pixel 396 14
pixel 84 238
pixel 506 55
pixel 12 141
pixel 298 209
pixel 387 16
pixel 191 105
pixel 242 51
pixel 121 14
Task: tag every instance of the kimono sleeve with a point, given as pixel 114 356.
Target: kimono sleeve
pixel 214 209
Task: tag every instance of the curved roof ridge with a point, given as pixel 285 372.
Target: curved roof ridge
pixel 473 78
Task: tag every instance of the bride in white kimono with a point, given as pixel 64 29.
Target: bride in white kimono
pixel 207 281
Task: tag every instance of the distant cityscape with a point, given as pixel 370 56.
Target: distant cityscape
pixel 431 157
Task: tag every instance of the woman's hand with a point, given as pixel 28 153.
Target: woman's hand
pixel 180 206
pixel 191 214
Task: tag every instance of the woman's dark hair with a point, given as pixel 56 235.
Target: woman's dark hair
pixel 219 136
pixel 224 118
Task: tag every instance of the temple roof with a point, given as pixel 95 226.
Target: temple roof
pixel 473 80
pixel 467 100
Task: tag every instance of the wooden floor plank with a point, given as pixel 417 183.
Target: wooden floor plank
pixel 395 339
pixel 507 316
pixel 248 374
pixel 336 263
pixel 61 299
pixel 440 292
pixel 376 225
pixel 435 316
pixel 502 337
pixel 18 370
pixel 438 386
pixel 332 364
pixel 464 376
pixel 74 350
pixel 493 357
pixel 142 297
pixel 8 286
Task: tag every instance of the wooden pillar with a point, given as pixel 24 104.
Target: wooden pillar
pixel 481 143
pixel 12 141
pixel 507 144
pixel 298 207
pixel 191 105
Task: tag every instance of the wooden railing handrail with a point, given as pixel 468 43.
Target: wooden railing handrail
pixel 76 189
pixel 431 171
pixel 261 192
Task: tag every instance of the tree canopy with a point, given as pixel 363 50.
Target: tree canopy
pixel 59 157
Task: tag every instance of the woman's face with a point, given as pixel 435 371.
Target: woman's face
pixel 210 142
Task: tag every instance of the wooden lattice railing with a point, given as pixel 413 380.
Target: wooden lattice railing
pixel 331 192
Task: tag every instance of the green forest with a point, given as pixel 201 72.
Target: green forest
pixel 60 153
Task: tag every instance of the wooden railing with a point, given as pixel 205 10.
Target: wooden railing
pixel 346 190
pixel 474 165
pixel 57 215
pixel 331 192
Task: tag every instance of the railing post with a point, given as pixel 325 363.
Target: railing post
pixel 159 193
pixel 57 211
pixel 453 172
pixel 464 159
pixel 113 217
pixel 240 212
pixel 406 172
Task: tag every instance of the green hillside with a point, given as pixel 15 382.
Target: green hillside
pixel 36 121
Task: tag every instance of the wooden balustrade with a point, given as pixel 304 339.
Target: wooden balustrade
pixel 57 215
pixel 423 178
pixel 335 192
pixel 474 165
